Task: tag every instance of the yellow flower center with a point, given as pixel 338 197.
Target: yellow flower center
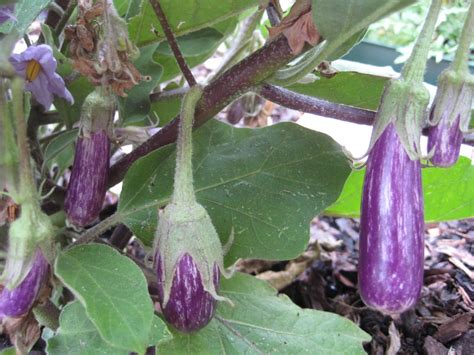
pixel 33 68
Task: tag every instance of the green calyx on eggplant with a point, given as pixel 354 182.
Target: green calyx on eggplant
pixel 29 232
pixel 188 254
pixel 88 183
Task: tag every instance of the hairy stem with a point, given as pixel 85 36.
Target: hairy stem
pixel 460 61
pixel 414 68
pixel 183 179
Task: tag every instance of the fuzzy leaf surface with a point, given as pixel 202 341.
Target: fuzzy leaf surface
pixel 113 291
pixel 264 184
pixel 262 322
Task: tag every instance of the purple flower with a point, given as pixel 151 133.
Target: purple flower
pixel 6 13
pixel 38 66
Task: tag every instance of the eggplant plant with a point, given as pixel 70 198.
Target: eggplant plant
pixel 117 240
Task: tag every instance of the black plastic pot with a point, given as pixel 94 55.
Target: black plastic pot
pixel 382 55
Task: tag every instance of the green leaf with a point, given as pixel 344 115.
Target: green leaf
pixel 184 17
pixel 26 11
pixel 170 67
pixel 114 292
pixel 78 335
pixel 264 184
pixel 262 322
pixel 339 18
pixel 193 44
pixel 60 151
pixel 166 109
pixel 348 88
pixel 448 193
pixel 137 104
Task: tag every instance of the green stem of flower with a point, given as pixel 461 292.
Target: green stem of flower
pixel 27 189
pixel 183 178
pixel 414 68
pixel 8 148
pixel 460 62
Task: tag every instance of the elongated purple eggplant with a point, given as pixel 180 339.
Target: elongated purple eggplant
pixel 445 140
pixel 190 306
pixel 17 302
pixel 88 183
pixel 450 116
pixel 392 227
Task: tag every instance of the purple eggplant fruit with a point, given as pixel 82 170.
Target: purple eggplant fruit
pixel 190 306
pixel 88 184
pixel 450 116
pixel 445 140
pixel 17 302
pixel 392 227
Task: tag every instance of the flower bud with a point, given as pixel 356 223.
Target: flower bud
pixel 188 261
pixel 449 117
pixel 88 183
pixel 18 301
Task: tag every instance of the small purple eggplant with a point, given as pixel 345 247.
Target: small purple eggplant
pixel 17 302
pixel 450 116
pixel 190 306
pixel 88 184
pixel 392 227
pixel 189 263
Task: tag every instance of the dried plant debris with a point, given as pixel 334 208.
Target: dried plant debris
pixel 298 27
pixel 100 48
pixel 325 278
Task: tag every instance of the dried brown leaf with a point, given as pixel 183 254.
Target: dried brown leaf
pixel 298 27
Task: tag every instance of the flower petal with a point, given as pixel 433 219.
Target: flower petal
pixel 40 90
pixel 57 86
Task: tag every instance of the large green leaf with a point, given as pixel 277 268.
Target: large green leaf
pixel 343 18
pixel 264 184
pixel 448 193
pixel 113 291
pixel 262 322
pixel 184 16
pixel 26 11
pixel 78 335
pixel 348 88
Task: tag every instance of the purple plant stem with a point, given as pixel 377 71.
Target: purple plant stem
pixel 234 82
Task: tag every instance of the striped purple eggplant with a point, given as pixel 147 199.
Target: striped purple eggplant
pixel 450 116
pixel 88 183
pixel 392 227
pixel 17 302
pixel 190 306
pixel 445 140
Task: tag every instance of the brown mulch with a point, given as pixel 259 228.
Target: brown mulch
pixel 441 322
